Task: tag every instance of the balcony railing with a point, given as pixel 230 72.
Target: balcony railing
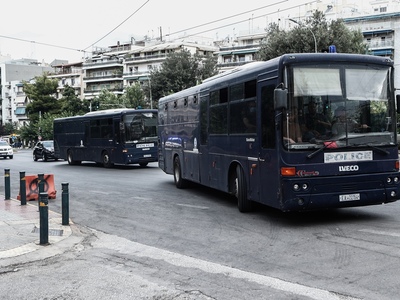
pixel 147 57
pixel 101 77
pixel 380 44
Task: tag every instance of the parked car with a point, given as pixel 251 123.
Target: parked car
pixel 44 150
pixel 6 150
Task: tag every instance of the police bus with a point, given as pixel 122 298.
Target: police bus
pixel 108 137
pixel 298 132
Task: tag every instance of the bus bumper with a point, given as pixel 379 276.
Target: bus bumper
pixel 336 191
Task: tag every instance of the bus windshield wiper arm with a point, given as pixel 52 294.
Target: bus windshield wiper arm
pixel 312 154
pixel 328 143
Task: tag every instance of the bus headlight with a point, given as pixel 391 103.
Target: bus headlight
pixel 296 187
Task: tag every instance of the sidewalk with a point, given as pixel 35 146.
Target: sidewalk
pixel 20 233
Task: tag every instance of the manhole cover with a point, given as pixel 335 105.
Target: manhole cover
pixel 52 232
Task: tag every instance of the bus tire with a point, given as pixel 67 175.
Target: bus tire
pixel 106 160
pixel 240 191
pixel 180 183
pixel 70 159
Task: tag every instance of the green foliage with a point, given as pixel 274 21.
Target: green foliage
pixel 106 100
pixel 43 127
pixel 8 128
pixel 41 94
pixel 71 102
pixel 181 70
pixel 300 39
pixel 134 96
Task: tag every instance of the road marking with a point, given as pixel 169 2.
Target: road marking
pixel 192 206
pixel 380 232
pixel 125 246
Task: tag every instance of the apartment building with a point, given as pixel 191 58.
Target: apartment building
pixel 140 62
pixel 239 50
pixel 13 99
pixel 68 74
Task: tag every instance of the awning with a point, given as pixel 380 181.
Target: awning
pixel 20 110
pixel 382 52
pixel 245 51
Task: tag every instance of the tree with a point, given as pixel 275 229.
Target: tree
pixel 106 100
pixel 41 94
pixel 9 128
pixel 300 39
pixel 180 70
pixel 134 96
pixel 43 127
pixel 71 102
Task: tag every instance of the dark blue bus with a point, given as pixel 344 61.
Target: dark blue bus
pixel 108 137
pixel 298 132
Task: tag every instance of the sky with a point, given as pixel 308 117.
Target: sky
pixel 46 29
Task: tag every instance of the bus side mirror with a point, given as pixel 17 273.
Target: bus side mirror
pixel 280 96
pixel 398 104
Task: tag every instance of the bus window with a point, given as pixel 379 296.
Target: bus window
pixel 140 127
pixel 218 119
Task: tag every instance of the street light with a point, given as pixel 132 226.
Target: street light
pixel 315 40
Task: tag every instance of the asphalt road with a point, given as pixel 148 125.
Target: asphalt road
pixel 185 239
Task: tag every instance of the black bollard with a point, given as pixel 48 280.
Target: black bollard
pixel 44 218
pixel 65 203
pixel 40 184
pixel 7 186
pixel 22 187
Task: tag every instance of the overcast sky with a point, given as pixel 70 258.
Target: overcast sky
pixel 71 27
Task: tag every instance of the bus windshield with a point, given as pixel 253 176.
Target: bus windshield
pixel 340 106
pixel 140 127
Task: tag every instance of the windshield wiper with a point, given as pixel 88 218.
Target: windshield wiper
pixel 329 143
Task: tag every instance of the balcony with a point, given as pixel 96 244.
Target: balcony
pixel 145 58
pixel 136 75
pixel 112 77
pixel 374 44
pixel 103 64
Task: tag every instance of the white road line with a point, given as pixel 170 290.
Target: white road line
pixel 192 206
pixel 381 232
pixel 132 248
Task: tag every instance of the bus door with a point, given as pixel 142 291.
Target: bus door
pixel 268 170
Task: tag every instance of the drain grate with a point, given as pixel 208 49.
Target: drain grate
pixel 52 232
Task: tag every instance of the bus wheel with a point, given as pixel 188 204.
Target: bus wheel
pixel 70 158
pixel 105 157
pixel 179 181
pixel 240 191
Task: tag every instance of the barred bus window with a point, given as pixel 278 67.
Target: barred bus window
pixel 250 89
pixel 219 119
pixel 236 92
pixel 219 96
